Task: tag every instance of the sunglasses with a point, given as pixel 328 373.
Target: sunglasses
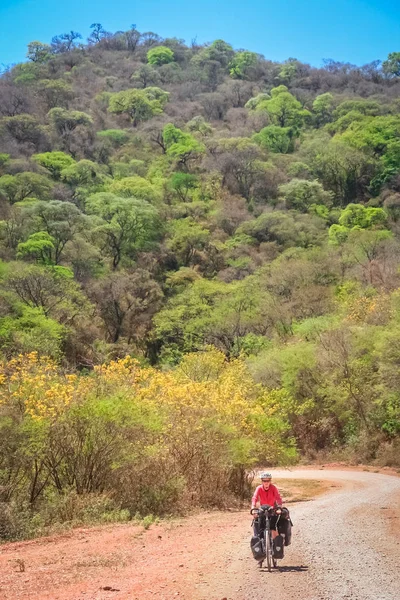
pixel 265 480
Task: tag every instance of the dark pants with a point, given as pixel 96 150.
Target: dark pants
pixel 259 524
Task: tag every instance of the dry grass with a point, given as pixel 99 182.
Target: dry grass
pixel 301 490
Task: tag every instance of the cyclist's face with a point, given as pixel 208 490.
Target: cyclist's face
pixel 266 483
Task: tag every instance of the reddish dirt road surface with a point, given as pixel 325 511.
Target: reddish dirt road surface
pixel 346 545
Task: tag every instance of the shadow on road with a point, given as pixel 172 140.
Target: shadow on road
pixel 288 569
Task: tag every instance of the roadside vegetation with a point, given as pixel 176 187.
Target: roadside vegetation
pixel 199 272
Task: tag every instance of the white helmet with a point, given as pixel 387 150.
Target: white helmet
pixel 265 475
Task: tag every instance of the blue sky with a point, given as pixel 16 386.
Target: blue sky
pixel 356 31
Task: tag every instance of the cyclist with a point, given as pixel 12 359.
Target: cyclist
pixel 266 493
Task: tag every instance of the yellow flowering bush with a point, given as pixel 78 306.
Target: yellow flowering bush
pixel 114 430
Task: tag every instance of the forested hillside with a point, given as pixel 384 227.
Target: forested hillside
pixel 229 223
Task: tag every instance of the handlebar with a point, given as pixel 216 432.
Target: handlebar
pixel 278 510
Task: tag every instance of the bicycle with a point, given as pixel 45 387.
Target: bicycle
pixel 264 513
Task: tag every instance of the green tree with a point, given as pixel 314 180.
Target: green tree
pixel 160 55
pixel 48 289
pixel 302 194
pixel 128 225
pixel 61 221
pixel 17 188
pixel 84 173
pixel 38 52
pixel 274 138
pixel 391 66
pixel 183 183
pixel 373 134
pixel 180 145
pixel 135 187
pixel 283 109
pixel 288 71
pixel 187 239
pixel 362 217
pixel 241 64
pixel 27 329
pixel 54 162
pixel 219 52
pixel 56 92
pixel 323 106
pixel 342 169
pixel 65 121
pixel 39 247
pixel 286 229
pixel 139 105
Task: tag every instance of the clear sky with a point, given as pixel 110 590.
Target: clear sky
pixel 356 31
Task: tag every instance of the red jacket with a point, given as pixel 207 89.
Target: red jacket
pixel 269 496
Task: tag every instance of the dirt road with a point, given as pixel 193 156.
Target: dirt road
pixel 346 545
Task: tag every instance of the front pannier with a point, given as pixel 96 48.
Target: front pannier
pixel 257 548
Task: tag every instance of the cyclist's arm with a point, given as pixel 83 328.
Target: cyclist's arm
pixel 254 499
pixel 278 498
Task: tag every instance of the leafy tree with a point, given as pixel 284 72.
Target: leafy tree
pixel 219 51
pixel 135 187
pixel 85 172
pixel 343 170
pixel 323 106
pixel 117 137
pixel 362 217
pixel 373 134
pixel 129 224
pixel 288 71
pixel 39 246
pixel 38 52
pixel 356 217
pixel 17 188
pixel 241 64
pixel 187 238
pixel 302 194
pixel 66 121
pixel 160 55
pixel 55 162
pixel 139 105
pixel 391 66
pixel 57 92
pixel 286 229
pixel 27 329
pixel 61 221
pixel 274 138
pixel 49 289
pixel 283 109
pixel 180 145
pixel 182 184
pixel 254 102
pixel 364 106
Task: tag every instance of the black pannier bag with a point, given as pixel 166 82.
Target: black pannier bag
pixel 257 548
pixel 285 526
pixel 278 546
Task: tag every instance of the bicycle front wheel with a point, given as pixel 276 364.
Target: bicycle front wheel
pixel 268 549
